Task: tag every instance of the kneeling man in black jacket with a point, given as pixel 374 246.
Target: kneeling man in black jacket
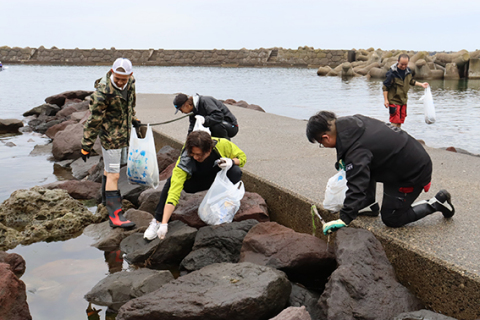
pixel 372 151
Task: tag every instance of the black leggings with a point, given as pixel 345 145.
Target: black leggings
pixel 397 206
pixel 224 130
pixel 196 183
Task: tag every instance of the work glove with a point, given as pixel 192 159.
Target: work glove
pixel 162 231
pixel 200 119
pixel 225 163
pixel 136 123
pixel 333 226
pixel 85 155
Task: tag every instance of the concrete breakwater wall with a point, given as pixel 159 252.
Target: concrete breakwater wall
pixel 301 57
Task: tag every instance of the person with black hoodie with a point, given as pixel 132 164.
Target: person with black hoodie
pixel 372 151
pixel 212 114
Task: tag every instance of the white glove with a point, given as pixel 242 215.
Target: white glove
pixel 225 163
pixel 162 231
pixel 200 119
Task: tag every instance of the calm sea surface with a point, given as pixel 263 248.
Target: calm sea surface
pixel 59 274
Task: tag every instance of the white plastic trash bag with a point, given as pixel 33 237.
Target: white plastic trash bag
pixel 428 106
pixel 222 200
pixel 199 127
pixel 142 165
pixel 335 191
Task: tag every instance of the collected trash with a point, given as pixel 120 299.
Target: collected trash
pixel 335 191
pixel 142 165
pixel 428 106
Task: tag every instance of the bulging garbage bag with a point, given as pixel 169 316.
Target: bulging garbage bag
pixel 428 106
pixel 335 192
pixel 142 165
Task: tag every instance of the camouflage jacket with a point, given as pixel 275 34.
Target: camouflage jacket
pixel 111 115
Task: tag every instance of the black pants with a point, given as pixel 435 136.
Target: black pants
pixel 397 206
pixel 224 130
pixel 196 183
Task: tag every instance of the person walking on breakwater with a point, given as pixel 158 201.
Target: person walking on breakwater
pixel 372 151
pixel 112 108
pixel 395 89
pixel 211 112
pixel 195 171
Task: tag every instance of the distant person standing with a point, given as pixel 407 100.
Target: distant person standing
pixel 395 89
pixel 112 108
pixel 211 112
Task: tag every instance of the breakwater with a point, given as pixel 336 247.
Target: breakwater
pixel 280 57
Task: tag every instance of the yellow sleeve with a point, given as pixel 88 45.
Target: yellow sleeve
pixel 176 184
pixel 228 149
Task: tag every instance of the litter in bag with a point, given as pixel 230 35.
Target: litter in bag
pixel 428 106
pixel 222 200
pixel 142 165
pixel 199 127
pixel 335 192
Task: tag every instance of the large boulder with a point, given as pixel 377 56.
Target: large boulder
pixel 13 297
pixel 16 262
pixel 77 189
pixel 301 296
pixel 422 315
pixel 215 244
pixel 52 131
pixel 160 253
pixel 364 285
pixel 10 125
pixel 252 206
pixel 68 142
pixel 187 209
pixel 40 214
pixel 166 156
pixel 118 288
pixel 81 168
pixel 293 313
pixel 59 99
pixel 219 291
pixel 45 109
pixel 149 198
pixel 303 257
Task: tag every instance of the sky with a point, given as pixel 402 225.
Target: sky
pixel 441 25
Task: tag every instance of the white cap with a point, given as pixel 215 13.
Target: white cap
pixel 122 63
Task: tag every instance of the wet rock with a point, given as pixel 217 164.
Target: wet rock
pixel 219 291
pixel 364 284
pixel 166 156
pixel 40 150
pixel 252 206
pixel 40 214
pixel 160 254
pixel 301 296
pixel 293 313
pixel 81 168
pixel 303 257
pixel 108 239
pixel 44 126
pixel 10 144
pixel 10 125
pixel 59 99
pixel 422 315
pixel 52 131
pixel 118 288
pixel 45 109
pixel 215 244
pixel 77 189
pixel 324 70
pixel 13 298
pixel 16 262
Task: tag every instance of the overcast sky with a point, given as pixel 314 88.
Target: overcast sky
pixel 207 24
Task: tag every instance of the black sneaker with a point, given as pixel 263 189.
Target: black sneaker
pixel 372 210
pixel 443 203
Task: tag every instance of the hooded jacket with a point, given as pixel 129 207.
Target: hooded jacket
pixel 213 110
pixel 185 166
pixel 372 149
pixel 111 115
pixel 396 86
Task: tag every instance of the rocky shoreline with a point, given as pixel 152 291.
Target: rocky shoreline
pixel 251 268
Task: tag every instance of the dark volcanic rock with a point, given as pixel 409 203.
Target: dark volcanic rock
pixel 364 284
pixel 59 99
pixel 422 315
pixel 215 244
pixel 10 125
pixel 301 296
pixel 293 313
pixel 16 262
pixel 118 288
pixel 77 189
pixel 166 156
pixel 13 298
pixel 216 292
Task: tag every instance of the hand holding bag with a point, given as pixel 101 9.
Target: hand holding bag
pixel 222 200
pixel 142 165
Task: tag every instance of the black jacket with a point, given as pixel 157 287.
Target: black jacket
pixel 372 149
pixel 214 111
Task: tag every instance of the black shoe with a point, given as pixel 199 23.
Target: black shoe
pixel 443 203
pixel 372 210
